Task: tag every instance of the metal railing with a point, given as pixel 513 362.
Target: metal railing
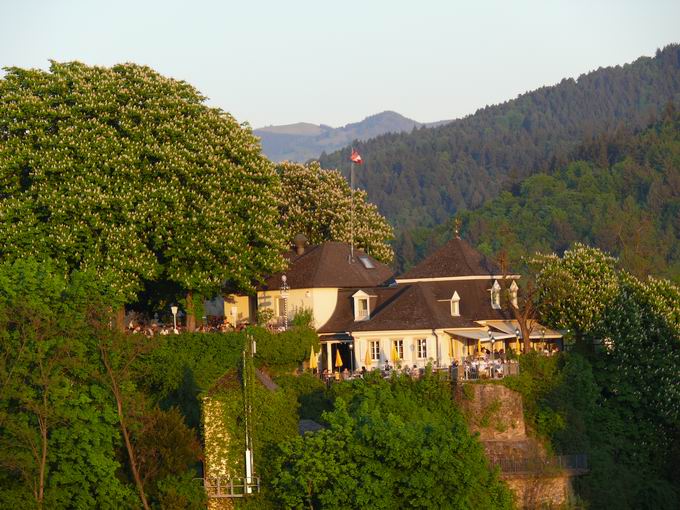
pixel 572 464
pixel 228 487
pixel 468 372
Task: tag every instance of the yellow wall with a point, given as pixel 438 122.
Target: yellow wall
pixel 321 301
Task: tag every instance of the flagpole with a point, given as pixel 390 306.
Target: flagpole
pixel 351 188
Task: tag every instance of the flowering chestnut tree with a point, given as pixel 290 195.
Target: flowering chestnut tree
pixel 318 203
pixel 577 288
pixel 128 173
pixel 636 323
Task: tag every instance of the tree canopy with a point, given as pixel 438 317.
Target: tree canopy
pixel 129 174
pixel 389 444
pixel 319 203
pixel 621 194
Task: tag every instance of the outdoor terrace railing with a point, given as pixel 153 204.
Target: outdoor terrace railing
pixel 227 487
pixel 470 372
pixel 572 464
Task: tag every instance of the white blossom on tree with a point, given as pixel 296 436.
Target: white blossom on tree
pixel 129 173
pixel 318 203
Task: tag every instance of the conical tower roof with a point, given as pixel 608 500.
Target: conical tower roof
pixel 455 259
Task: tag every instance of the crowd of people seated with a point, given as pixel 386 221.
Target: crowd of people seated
pixel 138 325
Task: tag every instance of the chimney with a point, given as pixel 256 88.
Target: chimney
pixel 300 241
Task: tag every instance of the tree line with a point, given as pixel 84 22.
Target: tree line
pixel 420 179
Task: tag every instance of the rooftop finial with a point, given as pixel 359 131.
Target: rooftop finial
pixel 456 228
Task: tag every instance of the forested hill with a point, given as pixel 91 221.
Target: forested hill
pixel 423 177
pixel 620 194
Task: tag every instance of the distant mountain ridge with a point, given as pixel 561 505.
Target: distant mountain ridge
pixel 303 141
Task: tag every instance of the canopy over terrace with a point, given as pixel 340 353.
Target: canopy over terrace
pixel 472 338
pixel 540 336
pixel 537 331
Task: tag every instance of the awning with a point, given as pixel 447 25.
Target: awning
pixel 537 332
pixel 480 334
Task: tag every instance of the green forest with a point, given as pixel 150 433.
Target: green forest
pixel 423 178
pixel 621 193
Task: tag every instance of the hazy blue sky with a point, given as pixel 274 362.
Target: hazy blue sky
pixel 277 62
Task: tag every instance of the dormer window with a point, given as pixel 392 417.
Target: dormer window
pixel 455 305
pixel 362 310
pixel 513 293
pixel 496 295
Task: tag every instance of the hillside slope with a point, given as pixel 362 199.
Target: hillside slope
pixel 421 178
pixel 620 194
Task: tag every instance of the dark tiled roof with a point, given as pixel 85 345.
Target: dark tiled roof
pixel 421 305
pixel 327 265
pixel 455 258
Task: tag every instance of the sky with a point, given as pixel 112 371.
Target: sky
pixel 271 62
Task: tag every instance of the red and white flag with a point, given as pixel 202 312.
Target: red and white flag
pixel 356 157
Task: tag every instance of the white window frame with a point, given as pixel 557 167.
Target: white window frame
pixel 455 305
pixel 513 293
pixel 374 348
pixel 421 348
pixel 362 311
pixel 398 344
pixel 361 298
pixel 495 295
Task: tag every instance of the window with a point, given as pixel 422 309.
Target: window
pixel 495 295
pixel 375 349
pixel 513 293
pixel 421 345
pixel 455 305
pixel 362 312
pixel 398 346
pixel 281 304
pixel 366 262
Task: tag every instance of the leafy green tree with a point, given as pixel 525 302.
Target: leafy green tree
pixel 128 173
pixel 389 444
pixel 621 402
pixel 319 204
pixel 58 435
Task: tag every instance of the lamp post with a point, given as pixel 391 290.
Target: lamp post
pixel 174 310
pixel 543 339
pixel 493 344
pixel 284 297
pixel 351 357
pixel 517 332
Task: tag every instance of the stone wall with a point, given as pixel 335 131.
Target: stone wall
pixel 497 414
pixel 494 411
pixel 540 491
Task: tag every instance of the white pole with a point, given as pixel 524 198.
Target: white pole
pixel 351 187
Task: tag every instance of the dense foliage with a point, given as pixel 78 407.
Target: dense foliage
pixel 58 428
pixel 320 204
pixel 72 389
pixel 389 444
pixel 622 194
pixel 616 395
pixel 129 174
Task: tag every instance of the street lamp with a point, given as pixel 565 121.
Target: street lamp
pixel 284 297
pixel 351 357
pixel 517 332
pixel 493 344
pixel 174 310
